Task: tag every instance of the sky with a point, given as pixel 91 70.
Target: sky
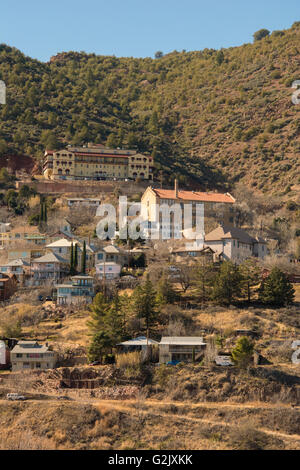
pixel 137 28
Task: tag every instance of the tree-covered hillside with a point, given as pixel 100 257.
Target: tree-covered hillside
pixel 210 117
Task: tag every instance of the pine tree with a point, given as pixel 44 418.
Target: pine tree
pixel 251 273
pixel 113 321
pixel 99 308
pixel 99 345
pixel 204 278
pixel 165 292
pixel 228 284
pixel 75 256
pixel 243 352
pixel 276 289
pixel 145 305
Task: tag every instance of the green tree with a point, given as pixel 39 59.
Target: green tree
pixel 260 34
pixel 75 256
pixel 145 304
pixel 276 289
pixel 165 291
pixel 83 258
pixel 228 284
pixel 251 273
pixel 204 276
pixel 243 352
pixel 98 308
pixel 100 345
pixel 220 57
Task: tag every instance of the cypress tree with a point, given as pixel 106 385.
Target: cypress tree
pixel 75 256
pixel 72 259
pixel 45 213
pixel 41 212
pixel 83 258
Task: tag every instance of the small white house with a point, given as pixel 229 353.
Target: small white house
pixel 137 344
pixel 109 270
pixel 180 348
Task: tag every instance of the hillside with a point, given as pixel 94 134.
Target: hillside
pixel 210 117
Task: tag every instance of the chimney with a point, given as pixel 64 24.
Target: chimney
pixel 176 188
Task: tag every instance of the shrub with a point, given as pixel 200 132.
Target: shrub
pixel 259 35
pixel 248 438
pixel 243 352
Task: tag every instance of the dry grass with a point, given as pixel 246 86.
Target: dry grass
pixel 128 360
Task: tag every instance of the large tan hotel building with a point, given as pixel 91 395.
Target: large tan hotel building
pixel 96 162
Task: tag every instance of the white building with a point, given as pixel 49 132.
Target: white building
pixel 235 244
pixel 180 348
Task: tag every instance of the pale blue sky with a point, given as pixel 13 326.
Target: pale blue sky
pixel 137 28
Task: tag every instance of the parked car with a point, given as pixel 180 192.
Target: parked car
pixel 15 397
pixel 40 298
pixel 48 299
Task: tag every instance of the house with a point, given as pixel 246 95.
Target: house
pixel 136 344
pixel 50 267
pixel 91 202
pixel 19 267
pixel 214 204
pixel 29 355
pixel 109 270
pixel 111 253
pixel 25 254
pixel 28 234
pixel 8 286
pixel 180 348
pixel 79 290
pixel 96 162
pixel 235 244
pixel 62 247
pixel 205 253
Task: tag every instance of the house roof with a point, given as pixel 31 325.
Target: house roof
pixel 60 243
pixel 228 231
pixel 183 340
pixel 111 249
pixel 108 263
pixel 50 258
pixel 17 262
pixel 184 249
pixel 30 229
pixel 29 347
pixel 194 196
pixel 139 341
